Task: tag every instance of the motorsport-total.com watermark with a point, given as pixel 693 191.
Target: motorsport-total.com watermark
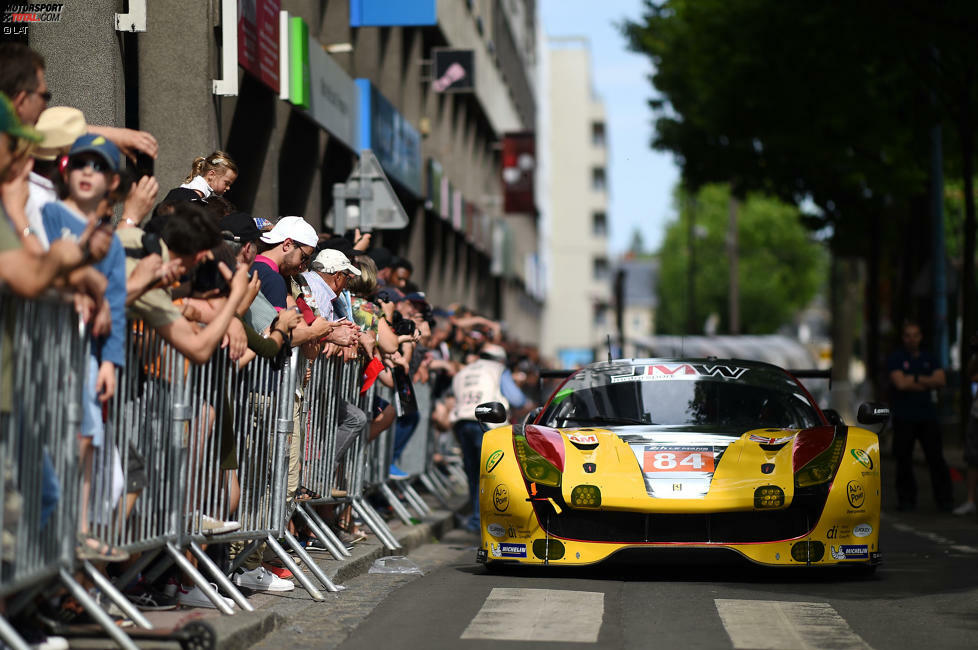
pixel 19 15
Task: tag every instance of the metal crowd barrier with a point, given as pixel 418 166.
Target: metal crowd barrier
pixel 337 476
pixel 186 448
pixel 43 360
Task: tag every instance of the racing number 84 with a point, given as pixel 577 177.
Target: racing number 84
pixel 681 461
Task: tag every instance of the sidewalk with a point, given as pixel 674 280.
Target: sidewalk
pixel 274 611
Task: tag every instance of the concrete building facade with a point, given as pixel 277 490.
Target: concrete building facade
pixel 577 318
pixel 444 157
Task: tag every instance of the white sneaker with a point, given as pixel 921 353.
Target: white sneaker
pixel 966 508
pixel 214 526
pixel 262 580
pixel 194 597
pixel 51 643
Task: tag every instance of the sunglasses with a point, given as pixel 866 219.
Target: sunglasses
pixel 81 163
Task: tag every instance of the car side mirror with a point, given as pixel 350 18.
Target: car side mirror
pixel 490 412
pixel 532 415
pixel 833 417
pixel 872 413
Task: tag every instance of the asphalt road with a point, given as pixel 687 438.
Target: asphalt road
pixel 925 595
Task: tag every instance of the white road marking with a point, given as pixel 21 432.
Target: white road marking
pixel 783 625
pixel 538 615
pixel 934 537
pixel 961 548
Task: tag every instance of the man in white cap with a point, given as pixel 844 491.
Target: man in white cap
pixel 331 271
pixel 284 251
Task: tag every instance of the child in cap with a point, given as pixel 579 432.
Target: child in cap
pixel 91 174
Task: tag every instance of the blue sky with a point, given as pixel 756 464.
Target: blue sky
pixel 641 180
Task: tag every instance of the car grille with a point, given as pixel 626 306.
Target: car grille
pixel 796 520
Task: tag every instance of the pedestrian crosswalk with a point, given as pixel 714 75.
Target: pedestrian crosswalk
pixel 781 625
pixel 576 617
pixel 538 615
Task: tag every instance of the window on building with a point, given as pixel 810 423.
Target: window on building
pixel 598 134
pixel 599 224
pixel 600 267
pixel 598 180
pixel 600 315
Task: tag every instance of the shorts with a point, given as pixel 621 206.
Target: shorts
pixel 92 424
pixel 135 471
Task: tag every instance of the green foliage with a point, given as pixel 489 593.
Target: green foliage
pixel 806 102
pixel 780 266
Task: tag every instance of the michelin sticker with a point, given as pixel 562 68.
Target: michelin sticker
pixel 851 552
pixel 496 530
pixel 516 550
pixel 507 550
pixel 862 530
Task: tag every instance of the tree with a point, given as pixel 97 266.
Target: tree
pixel 780 266
pixel 829 104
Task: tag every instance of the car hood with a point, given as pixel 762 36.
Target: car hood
pixel 690 464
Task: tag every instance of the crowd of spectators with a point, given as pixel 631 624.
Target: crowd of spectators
pixel 205 275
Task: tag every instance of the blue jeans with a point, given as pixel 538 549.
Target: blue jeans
pixel 404 428
pixel 469 435
pixel 50 489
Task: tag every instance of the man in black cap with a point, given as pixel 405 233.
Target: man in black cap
pixel 239 230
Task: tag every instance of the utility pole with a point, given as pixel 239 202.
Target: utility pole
pixel 732 255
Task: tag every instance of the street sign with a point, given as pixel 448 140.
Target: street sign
pixel 366 200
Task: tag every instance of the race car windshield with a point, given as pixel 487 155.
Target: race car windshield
pixel 676 394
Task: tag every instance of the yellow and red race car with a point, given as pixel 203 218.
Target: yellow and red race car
pixel 646 455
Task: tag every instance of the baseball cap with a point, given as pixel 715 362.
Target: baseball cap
pixel 241 226
pixel 341 244
pixel 390 295
pixel 493 351
pixel 10 123
pixel 294 228
pixel 60 126
pixel 97 144
pixel 381 257
pixel 331 260
pixel 416 296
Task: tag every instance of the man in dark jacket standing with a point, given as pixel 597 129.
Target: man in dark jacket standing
pixel 914 373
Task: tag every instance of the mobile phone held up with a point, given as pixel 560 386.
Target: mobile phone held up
pixel 144 164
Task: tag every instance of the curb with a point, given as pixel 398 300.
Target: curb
pixel 273 612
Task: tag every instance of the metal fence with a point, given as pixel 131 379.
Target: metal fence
pixel 191 455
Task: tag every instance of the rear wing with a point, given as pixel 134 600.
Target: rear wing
pixel 813 373
pixel 552 374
